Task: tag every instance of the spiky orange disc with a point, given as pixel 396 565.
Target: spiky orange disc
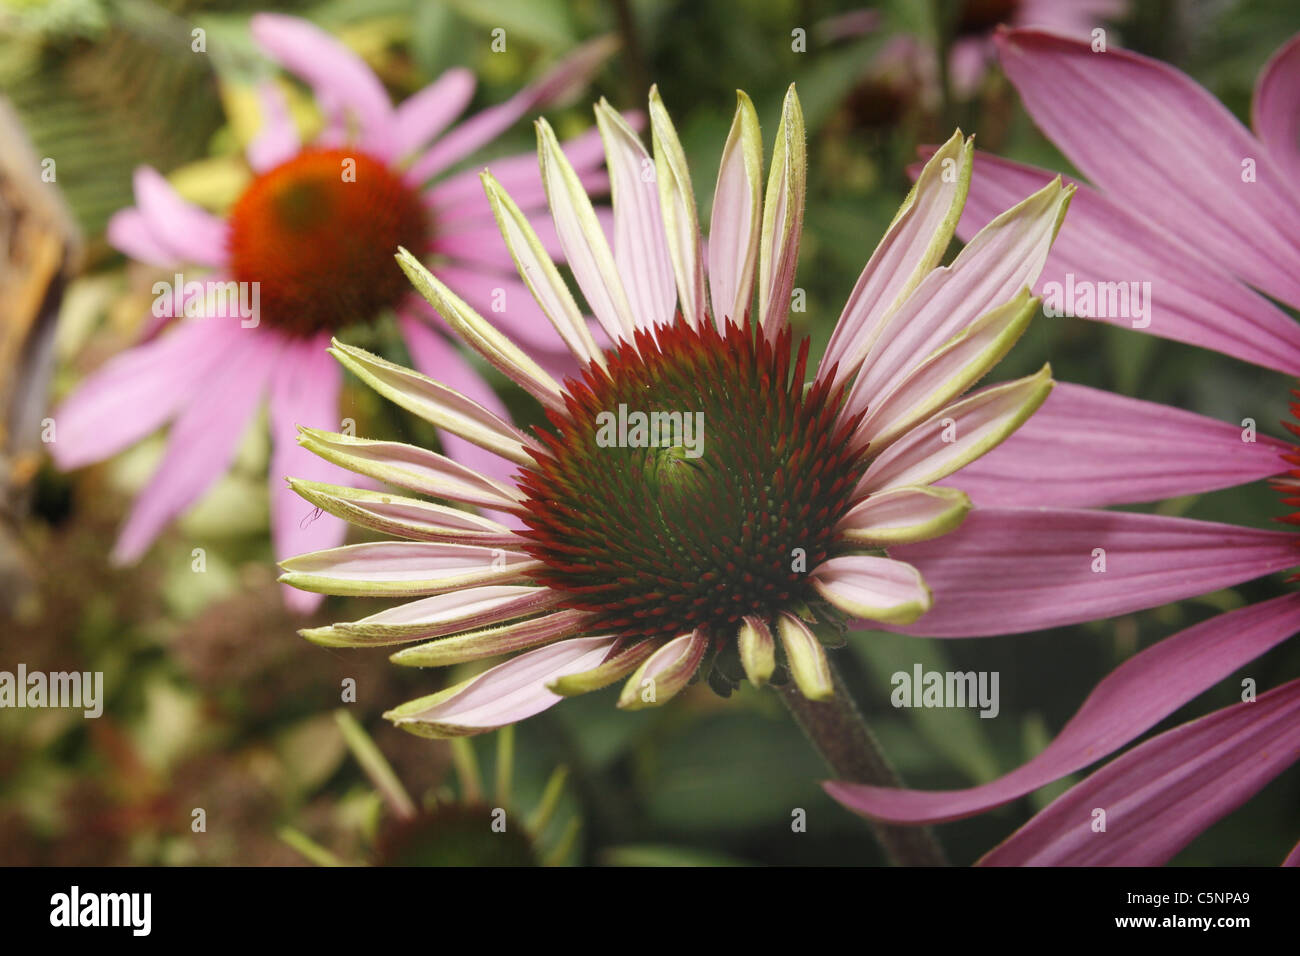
pixel 319 233
pixel 658 542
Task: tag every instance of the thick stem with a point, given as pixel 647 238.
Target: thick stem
pixel 838 732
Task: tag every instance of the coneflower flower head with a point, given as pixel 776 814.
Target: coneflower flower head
pixel 697 503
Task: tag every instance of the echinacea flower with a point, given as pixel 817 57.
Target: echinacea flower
pixel 307 247
pixel 1202 210
pixel 461 827
pixel 716 548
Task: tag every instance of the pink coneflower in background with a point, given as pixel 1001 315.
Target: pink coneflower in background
pixel 313 233
pixel 1196 205
pixel 714 557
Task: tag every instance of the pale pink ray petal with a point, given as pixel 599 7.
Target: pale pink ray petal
pixel 191 234
pixel 572 73
pixel 404 568
pixel 278 140
pixel 1132 699
pixel 1191 297
pixel 129 232
pixel 340 79
pixel 873 588
pixel 430 111
pixel 460 197
pixel 139 389
pixel 1089 448
pixel 203 440
pixel 1185 172
pixel 1010 570
pixel 665 672
pixel 1293 858
pixel 304 390
pixel 640 244
pixel 1273 110
pixel 1160 796
pixel 495 641
pixel 1001 260
pixel 507 304
pixel 504 694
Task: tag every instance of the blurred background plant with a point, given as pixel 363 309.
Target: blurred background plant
pixel 213 703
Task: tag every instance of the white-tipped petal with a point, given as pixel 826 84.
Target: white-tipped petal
pixel 481 334
pixel 913 245
pixel 540 274
pixel 403 568
pixel 640 246
pixel 945 375
pixel 411 467
pixel 677 204
pixel 404 517
pixel 870 588
pixel 503 694
pixel 665 672
pixel 583 239
pixel 955 436
pixel 494 641
pixel 806 658
pixel 904 515
pixel 787 186
pixel 757 649
pixel 437 616
pixel 736 223
pixel 436 403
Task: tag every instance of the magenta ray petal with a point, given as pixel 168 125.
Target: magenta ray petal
pixel 277 141
pixel 430 111
pixel 488 124
pixel 1273 110
pixel 191 234
pixel 1193 299
pixel 339 78
pixel 1131 699
pixel 1159 796
pixel 138 390
pixel 1184 172
pixel 304 390
pixel 1009 570
pixel 128 232
pixel 460 196
pixel 1087 448
pixel 203 440
pixel 1293 858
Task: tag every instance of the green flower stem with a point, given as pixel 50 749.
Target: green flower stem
pixel 837 732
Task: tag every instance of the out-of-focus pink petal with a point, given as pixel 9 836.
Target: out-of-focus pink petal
pixel 278 140
pixel 504 694
pixel 191 234
pixel 1191 297
pixel 1009 570
pixel 460 197
pixel 129 232
pixel 203 440
pixel 430 111
pixel 1087 448
pixel 1158 797
pixel 338 77
pixel 139 389
pixel 572 73
pixel 1132 699
pixel 1293 858
pixel 1273 111
pixel 1185 172
pixel 304 391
